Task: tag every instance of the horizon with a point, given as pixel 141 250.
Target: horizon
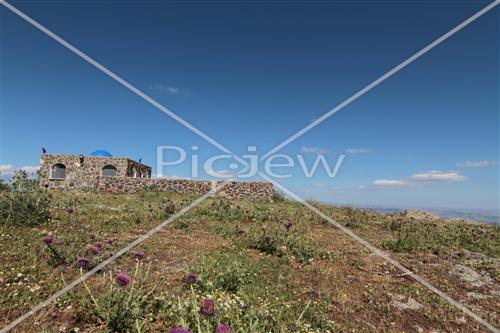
pixel 252 75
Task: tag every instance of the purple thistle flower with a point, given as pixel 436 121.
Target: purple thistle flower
pixel 48 239
pixel 240 231
pixel 98 245
pixel 83 262
pixel 94 250
pixel 92 235
pixel 109 241
pixel 207 307
pixel 223 328
pixel 269 239
pixel 177 329
pixel 191 278
pixel 122 279
pixel 288 225
pixel 70 210
pixel 138 255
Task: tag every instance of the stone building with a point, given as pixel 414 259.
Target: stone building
pixel 101 172
pixel 58 171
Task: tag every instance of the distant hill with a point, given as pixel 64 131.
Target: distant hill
pixel 486 216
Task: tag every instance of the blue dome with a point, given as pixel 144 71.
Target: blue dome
pixel 101 153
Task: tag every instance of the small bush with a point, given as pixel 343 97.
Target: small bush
pixel 278 197
pixel 3 186
pixel 304 250
pixel 26 204
pixel 280 240
pixel 436 237
pixel 229 277
pixel 123 307
pixel 22 183
pixel 169 208
pixel 404 244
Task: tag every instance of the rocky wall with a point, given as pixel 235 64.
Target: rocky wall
pixel 232 190
pixel 241 190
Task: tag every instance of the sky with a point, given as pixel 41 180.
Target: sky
pixel 254 73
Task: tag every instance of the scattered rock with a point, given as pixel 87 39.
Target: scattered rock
pixel 472 255
pixel 400 302
pixel 474 295
pixel 495 292
pixel 418 329
pixel 470 277
pixel 431 259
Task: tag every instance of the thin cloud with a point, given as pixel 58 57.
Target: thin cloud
pixel 30 169
pixel 6 167
pixel 477 164
pixel 438 176
pixel 8 170
pixel 172 90
pixel 357 151
pixel 433 176
pixel 390 183
pixel 313 150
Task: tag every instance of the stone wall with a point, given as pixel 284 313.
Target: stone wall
pixel 247 190
pixel 233 190
pixel 86 176
pixel 133 185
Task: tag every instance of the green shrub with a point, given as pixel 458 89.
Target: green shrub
pixel 46 330
pixel 434 237
pixel 227 278
pixel 3 186
pixel 123 308
pixel 22 183
pixel 405 244
pixel 276 240
pixel 304 250
pixel 278 197
pixel 25 204
pixel 266 243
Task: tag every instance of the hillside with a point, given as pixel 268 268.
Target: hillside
pixel 267 267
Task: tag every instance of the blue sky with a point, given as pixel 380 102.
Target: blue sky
pixel 249 73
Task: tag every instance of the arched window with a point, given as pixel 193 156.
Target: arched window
pixel 58 171
pixel 134 172
pixel 109 170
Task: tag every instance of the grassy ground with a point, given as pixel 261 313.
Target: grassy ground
pixel 268 267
